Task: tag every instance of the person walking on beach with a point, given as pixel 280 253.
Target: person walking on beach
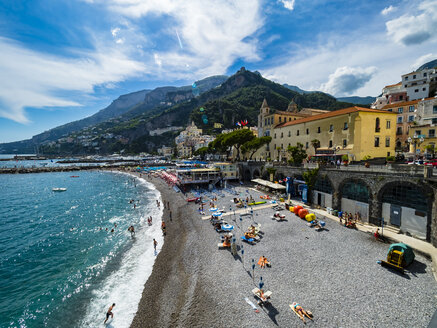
pixel 109 313
pixel 155 243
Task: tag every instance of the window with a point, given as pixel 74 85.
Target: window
pixel 414 76
pixel 331 128
pixel 289 134
pixel 411 118
pixel 434 121
pixel 405 85
pixel 387 141
pixel 297 133
pixel 411 109
pixel 289 119
pixel 344 143
pixel 401 97
pixel 306 145
pixel 434 109
pixel 265 122
pixel 282 146
pixel 399 119
pixel 318 129
pixel 376 141
pixel 418 132
pixel 387 125
pixel 424 74
pixel 416 90
pixel 377 127
pixel 282 134
pixel 274 136
pixel 406 78
pixel 280 119
pixel 330 143
pixel 431 133
pixel 423 89
pixel 390 110
pixel 308 131
pixel 345 127
pixel 400 110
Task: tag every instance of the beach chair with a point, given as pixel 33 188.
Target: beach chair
pixel 248 240
pixel 223 245
pixel 262 300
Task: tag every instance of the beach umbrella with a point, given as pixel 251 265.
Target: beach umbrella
pixel 213 209
pixel 217 214
pixel 261 283
pixel 227 227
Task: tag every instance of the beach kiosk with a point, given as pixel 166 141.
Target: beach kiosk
pixel 399 256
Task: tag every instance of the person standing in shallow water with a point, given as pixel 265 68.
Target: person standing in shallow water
pixel 155 243
pixel 109 313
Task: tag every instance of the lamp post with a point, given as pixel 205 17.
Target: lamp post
pixel 416 141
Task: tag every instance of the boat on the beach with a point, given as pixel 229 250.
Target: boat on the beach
pixel 59 189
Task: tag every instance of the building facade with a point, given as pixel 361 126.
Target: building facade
pixel 391 94
pixel 420 84
pixel 356 132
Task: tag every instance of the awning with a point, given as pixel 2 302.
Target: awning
pixel 269 184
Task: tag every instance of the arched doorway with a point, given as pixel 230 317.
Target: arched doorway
pixel 322 191
pixel 355 197
pixel 408 207
pixel 256 174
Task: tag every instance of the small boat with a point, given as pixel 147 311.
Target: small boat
pixel 59 189
pixel 74 176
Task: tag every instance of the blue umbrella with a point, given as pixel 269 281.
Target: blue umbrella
pixel 213 209
pixel 227 227
pixel 216 214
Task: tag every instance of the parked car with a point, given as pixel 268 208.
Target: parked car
pixel 417 162
pixel 432 163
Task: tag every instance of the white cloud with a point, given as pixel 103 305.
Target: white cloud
pixel 415 29
pixel 346 80
pixel 33 79
pixel 388 10
pixel 288 4
pixel 115 31
pixel 158 61
pixel 310 66
pixel 422 60
pixel 119 41
pixel 215 34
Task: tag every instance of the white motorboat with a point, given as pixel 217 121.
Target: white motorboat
pixel 59 189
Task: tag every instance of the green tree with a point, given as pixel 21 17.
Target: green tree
pixel 297 154
pixel 217 146
pixel 310 178
pixel 316 144
pixel 255 144
pixel 202 152
pixel 237 139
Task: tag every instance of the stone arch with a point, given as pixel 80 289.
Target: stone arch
pixel 408 206
pixel 279 176
pixel 324 184
pixel 354 195
pixel 247 176
pixel 256 174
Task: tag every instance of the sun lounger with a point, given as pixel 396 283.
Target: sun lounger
pixel 262 300
pixel 223 245
pixel 295 312
pixel 248 240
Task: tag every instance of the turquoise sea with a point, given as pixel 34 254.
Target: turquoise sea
pixel 59 266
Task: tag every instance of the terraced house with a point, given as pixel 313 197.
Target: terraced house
pixel 355 131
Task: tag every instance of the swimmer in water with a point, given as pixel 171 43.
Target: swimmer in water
pixel 109 313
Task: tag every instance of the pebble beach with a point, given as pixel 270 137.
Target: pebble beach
pixel 332 272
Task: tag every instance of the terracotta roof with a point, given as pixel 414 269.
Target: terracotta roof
pixel 333 114
pixel 393 85
pixel 404 103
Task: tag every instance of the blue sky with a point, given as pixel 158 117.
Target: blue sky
pixel 62 60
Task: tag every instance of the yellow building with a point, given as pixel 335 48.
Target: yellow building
pixel 229 171
pixel 355 131
pixel 268 119
pixel 421 136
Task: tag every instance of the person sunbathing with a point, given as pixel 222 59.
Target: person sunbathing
pixel 260 294
pixel 301 312
pixel 263 262
pixel 249 235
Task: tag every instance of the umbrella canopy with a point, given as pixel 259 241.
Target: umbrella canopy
pixel 227 227
pixel 213 209
pixel 217 214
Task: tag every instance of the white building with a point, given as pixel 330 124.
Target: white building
pixel 426 112
pixel 421 84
